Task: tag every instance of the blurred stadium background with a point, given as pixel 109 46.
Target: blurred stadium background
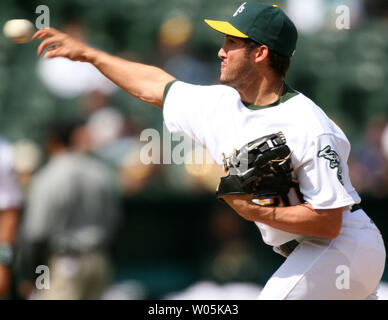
pixel 174 235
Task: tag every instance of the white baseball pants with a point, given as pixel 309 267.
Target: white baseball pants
pixel 349 267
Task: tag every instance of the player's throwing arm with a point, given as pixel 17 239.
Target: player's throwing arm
pixel 144 82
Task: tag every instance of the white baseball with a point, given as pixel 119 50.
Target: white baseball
pixel 19 30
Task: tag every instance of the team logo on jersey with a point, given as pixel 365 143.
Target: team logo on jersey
pixel 240 9
pixel 329 154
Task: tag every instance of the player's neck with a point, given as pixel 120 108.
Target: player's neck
pixel 263 92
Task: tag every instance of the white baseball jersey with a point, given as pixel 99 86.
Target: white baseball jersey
pixel 216 117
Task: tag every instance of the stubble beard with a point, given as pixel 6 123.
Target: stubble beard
pixel 235 77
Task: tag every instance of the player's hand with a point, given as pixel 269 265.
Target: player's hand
pixel 59 44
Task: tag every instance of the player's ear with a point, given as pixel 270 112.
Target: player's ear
pixel 261 53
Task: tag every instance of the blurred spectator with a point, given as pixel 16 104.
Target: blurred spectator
pixel 27 159
pixel 115 140
pixel 368 165
pixel 105 123
pixel 308 17
pixel 201 170
pixel 316 15
pixel 134 175
pixel 69 79
pixel 10 205
pixel 71 215
pixel 174 53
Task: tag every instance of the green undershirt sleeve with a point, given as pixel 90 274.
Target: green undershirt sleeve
pixel 166 89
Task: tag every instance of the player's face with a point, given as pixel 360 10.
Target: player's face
pixel 235 64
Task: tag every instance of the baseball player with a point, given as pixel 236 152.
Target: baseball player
pixel 333 249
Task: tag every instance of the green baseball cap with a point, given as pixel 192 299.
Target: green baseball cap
pixel 262 23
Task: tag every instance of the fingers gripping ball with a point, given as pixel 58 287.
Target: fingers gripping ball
pixel 262 168
pixel 18 30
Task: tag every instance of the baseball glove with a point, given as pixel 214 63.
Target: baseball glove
pixel 262 168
